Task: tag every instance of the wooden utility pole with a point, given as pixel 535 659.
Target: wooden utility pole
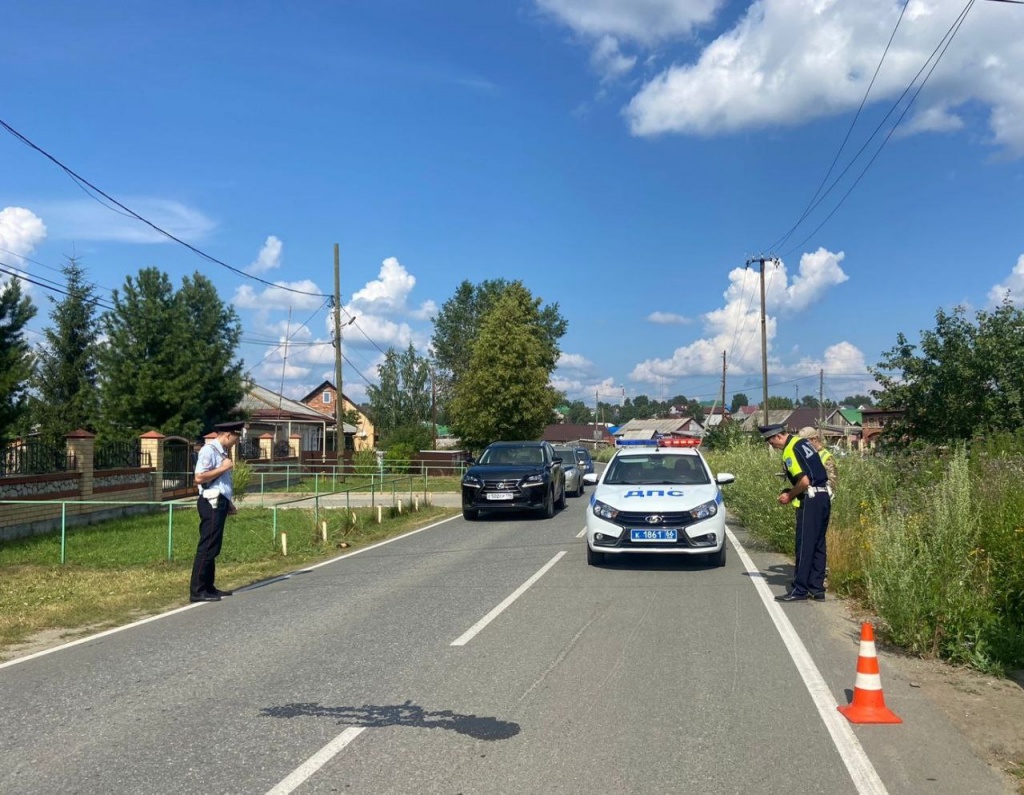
pixel 723 386
pixel 821 397
pixel 339 428
pixel 764 336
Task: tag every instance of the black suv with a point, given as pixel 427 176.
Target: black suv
pixel 510 475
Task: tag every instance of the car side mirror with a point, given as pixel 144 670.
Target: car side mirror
pixel 590 478
pixel 724 477
pixel 556 460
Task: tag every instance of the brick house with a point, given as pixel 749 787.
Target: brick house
pixel 324 399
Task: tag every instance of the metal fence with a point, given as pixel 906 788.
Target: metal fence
pixel 118 455
pixel 33 457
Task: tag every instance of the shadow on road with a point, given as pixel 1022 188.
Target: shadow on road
pixel 407 714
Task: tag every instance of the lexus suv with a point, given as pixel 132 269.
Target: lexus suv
pixel 514 475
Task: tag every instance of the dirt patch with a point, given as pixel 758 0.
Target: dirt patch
pixel 987 711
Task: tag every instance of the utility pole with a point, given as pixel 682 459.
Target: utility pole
pixel 821 397
pixel 723 386
pixel 764 334
pixel 339 429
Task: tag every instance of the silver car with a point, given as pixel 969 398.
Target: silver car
pixel 573 472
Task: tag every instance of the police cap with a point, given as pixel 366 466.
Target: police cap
pixel 768 431
pixel 230 427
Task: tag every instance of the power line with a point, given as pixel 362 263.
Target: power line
pixel 951 33
pixel 83 181
pixel 782 241
pixel 942 45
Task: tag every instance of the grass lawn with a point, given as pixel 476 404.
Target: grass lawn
pixel 118 571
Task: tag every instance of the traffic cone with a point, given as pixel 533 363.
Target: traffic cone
pixel 868 702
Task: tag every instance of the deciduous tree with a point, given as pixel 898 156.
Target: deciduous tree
pixel 505 392
pixel 402 397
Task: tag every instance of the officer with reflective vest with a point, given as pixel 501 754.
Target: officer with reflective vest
pixel 811 434
pixel 808 492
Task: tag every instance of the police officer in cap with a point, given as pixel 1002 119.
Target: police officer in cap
pixel 213 478
pixel 808 492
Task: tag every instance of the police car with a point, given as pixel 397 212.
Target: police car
pixel 660 498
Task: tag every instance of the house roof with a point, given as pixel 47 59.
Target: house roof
pixel 573 432
pixel 793 419
pixel 852 416
pixel 264 405
pixel 676 425
pixel 321 388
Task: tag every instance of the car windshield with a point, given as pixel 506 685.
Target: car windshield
pixel 566 455
pixel 515 456
pixel 656 470
pixel 582 456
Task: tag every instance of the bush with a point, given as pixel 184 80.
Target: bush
pixel 241 477
pixel 364 462
pixel 398 458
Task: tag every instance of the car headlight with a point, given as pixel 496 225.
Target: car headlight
pixel 705 511
pixel 472 481
pixel 604 510
pixel 533 479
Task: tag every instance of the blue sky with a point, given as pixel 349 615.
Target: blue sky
pixel 624 158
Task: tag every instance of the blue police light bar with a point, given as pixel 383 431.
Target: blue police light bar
pixel 636 442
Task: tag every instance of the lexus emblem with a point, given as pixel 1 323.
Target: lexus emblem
pixel 653 519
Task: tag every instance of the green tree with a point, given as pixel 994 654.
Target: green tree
pixel 65 377
pixel 579 413
pixel 457 329
pixel 961 379
pixel 779 402
pixel 505 394
pixel 936 385
pixel 168 362
pixel 16 359
pixel 402 397
pixel 739 400
pixel 857 400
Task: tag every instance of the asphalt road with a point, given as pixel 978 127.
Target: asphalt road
pixel 650 676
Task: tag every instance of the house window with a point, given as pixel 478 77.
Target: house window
pixel 326 398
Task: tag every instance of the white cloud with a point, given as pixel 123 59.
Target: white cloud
pixel 269 256
pixel 21 231
pixel 735 327
pixel 84 219
pixel 388 294
pixel 246 296
pixel 576 363
pixel 588 390
pixel 609 61
pixel 642 21
pixel 668 319
pixel 787 62
pixel 1014 285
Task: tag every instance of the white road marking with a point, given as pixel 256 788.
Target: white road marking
pixel 44 652
pixel 316 761
pixel 582 532
pixel 474 630
pixel 865 778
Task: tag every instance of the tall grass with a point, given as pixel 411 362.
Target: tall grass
pixel 934 543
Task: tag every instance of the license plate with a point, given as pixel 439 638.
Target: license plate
pixel 501 495
pixel 662 536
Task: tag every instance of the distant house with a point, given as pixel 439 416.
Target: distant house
pixel 589 435
pixel 874 421
pixel 843 426
pixel 650 429
pixel 792 419
pixel 324 398
pixel 281 417
pixel 716 415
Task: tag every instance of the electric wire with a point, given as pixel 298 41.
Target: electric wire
pixel 782 241
pixel 942 45
pixel 70 172
pixel 951 33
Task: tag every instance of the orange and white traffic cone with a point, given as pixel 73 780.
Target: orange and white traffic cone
pixel 868 702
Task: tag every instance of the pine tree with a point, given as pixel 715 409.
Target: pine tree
pixel 16 358
pixel 65 379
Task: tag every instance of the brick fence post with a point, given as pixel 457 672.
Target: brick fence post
pixel 81 446
pixel 152 446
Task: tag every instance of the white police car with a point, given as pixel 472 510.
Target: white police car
pixel 657 499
